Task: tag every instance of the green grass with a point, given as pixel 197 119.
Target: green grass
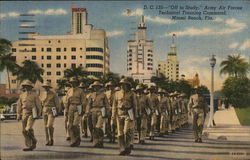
pixel 243 115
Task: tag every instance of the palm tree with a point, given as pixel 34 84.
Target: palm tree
pixel 31 71
pixel 6 60
pixel 109 77
pixel 235 66
pixel 77 72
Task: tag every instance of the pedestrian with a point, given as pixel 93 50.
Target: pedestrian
pixel 66 119
pixel 84 119
pixel 75 100
pixel 51 107
pixel 143 112
pixel 154 104
pixel 198 107
pixel 29 107
pixel 97 107
pixel 124 111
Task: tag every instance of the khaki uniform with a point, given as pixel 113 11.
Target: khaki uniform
pixel 49 99
pixel 97 107
pixel 199 109
pixel 66 119
pixel 154 104
pixel 110 133
pixel 25 106
pixel 179 113
pixel 164 110
pixel 174 106
pixel 124 111
pixel 142 107
pixel 75 101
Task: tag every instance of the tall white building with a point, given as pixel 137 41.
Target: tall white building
pixel 170 67
pixel 140 55
pixel 83 46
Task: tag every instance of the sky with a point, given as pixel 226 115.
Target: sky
pixel 196 40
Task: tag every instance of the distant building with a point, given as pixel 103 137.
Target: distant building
pixel 83 46
pixel 140 55
pixel 170 67
pixel 195 81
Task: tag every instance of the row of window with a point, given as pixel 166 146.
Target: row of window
pixel 57 57
pixel 73 49
pixel 95 65
pixel 94 57
pixel 149 68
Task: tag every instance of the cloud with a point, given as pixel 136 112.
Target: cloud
pixel 48 12
pixel 233 26
pixel 25 25
pixel 245 45
pixel 218 19
pixel 234 45
pixel 159 20
pixel 114 33
pixel 136 12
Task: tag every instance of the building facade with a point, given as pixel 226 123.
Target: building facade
pixel 83 46
pixel 140 55
pixel 170 67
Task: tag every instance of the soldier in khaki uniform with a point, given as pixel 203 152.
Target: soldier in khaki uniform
pixel 89 116
pixel 110 93
pixel 198 108
pixel 51 107
pixel 29 105
pixel 143 108
pixel 75 100
pixel 84 119
pixel 154 104
pixel 63 104
pixel 163 108
pixel 184 108
pixel 124 111
pixel 174 112
pixel 97 107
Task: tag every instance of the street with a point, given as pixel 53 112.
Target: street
pixel 179 145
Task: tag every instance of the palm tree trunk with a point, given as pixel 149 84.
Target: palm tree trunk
pixel 8 74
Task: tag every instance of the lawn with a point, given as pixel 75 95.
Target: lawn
pixel 243 115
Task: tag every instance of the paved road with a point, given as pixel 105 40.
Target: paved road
pixel 179 145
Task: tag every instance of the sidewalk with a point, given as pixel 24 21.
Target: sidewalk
pixel 227 127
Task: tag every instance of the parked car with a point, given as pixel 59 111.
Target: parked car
pixel 9 112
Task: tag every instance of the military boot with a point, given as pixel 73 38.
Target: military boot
pixel 121 143
pixel 33 139
pixel 47 136
pixel 128 142
pixel 51 133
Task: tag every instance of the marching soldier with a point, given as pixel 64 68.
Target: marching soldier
pixel 184 107
pixel 124 111
pixel 110 129
pixel 198 108
pixel 154 102
pixel 97 107
pixel 174 112
pixel 143 112
pixel 163 108
pixel 51 108
pixel 75 99
pixel 29 106
pixel 84 119
pixel 88 116
pixel 66 119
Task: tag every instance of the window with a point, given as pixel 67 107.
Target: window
pixel 73 65
pixel 49 41
pixel 13 81
pixel 73 57
pixel 58 49
pixel 13 58
pixel 65 57
pixel 95 65
pixel 58 73
pixel 42 49
pixel 33 57
pixel 94 49
pixel 94 57
pixel 13 49
pixel 33 49
pixel 48 65
pixel 59 41
pixel 48 73
pixel 64 49
pixel 58 65
pixel 58 81
pixel 95 73
pixel 73 49
pixel 65 65
pixel 49 57
pixel 49 80
pixel 42 57
pixel 48 49
pixel 42 65
pixel 58 57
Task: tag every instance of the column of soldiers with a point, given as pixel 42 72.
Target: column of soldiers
pixel 115 111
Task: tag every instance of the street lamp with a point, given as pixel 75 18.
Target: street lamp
pixel 211 117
